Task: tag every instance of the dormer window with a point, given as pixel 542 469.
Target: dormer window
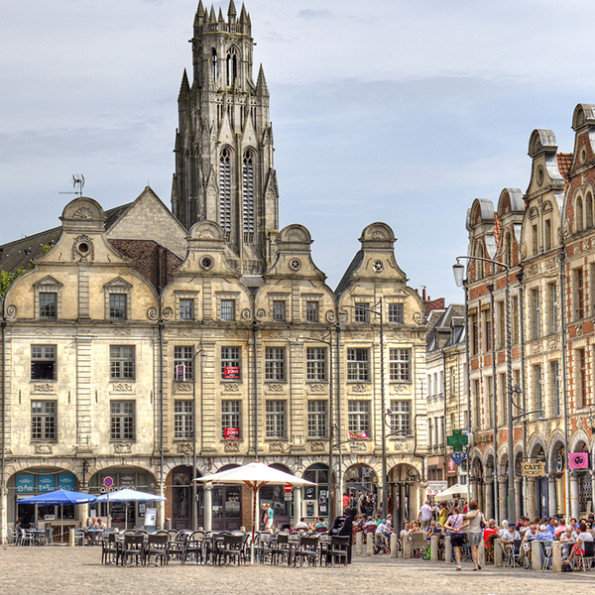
pixel 117 300
pixel 48 294
pixel 362 312
pixel 279 310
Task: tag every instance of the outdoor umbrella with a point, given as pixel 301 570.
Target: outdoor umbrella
pixel 255 476
pixel 60 497
pixel 128 495
pixel 451 493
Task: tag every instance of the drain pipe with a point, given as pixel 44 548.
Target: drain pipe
pixel 255 354
pixel 161 460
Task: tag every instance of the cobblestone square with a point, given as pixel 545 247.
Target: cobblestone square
pixel 64 570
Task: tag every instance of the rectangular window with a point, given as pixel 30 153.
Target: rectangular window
pixel 186 309
pixel 274 364
pixel 579 296
pixel 358 417
pixel 515 320
pixel 183 363
pixel 275 420
pixel 538 389
pixel 474 328
pixel 487 316
pixel 395 313
pixel 399 364
pixel 489 395
pixel 547 234
pixel 122 362
pixel 580 392
pixel 358 365
pixel 536 308
pixel 500 325
pixel 316 364
pixel 279 310
pixel 48 304
pixel 43 420
pixel 400 419
pixel 231 420
pixel 43 362
pixel 231 363
pixel 122 420
pixel 535 239
pixel 477 403
pixel 554 309
pixel 228 310
pixel 117 306
pixel 183 420
pixel 502 399
pixel 555 379
pixel 362 312
pixel 317 420
pixel 312 313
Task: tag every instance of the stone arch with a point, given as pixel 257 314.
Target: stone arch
pixel 405 494
pixel 578 437
pixel 556 445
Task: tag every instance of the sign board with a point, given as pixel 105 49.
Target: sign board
pixel 180 373
pixel 25 484
pixel 46 483
pixel 151 517
pixel 231 372
pixel 533 469
pixel 66 481
pixel 458 457
pixel 451 468
pixel 231 433
pixel 287 497
pixel 108 482
pixel 435 487
pixel 578 460
pixel 288 488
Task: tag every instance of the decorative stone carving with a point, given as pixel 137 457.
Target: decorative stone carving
pixel 418 318
pixel 44 388
pixel 167 313
pixel 378 235
pixel 184 447
pixel 231 446
pixel 121 387
pixel 397 445
pixel 122 448
pixel 317 446
pixel 43 332
pixel 278 447
pixel 317 388
pixel 401 388
pixel 246 314
pixel 276 388
pixel 232 333
pixel 11 312
pixel 378 266
pixel 183 387
pixel 121 331
pixel 358 446
pixel 152 313
pixel 260 313
pixel 82 213
pixel 295 264
pixel 184 332
pixel 232 387
pixel 330 316
pixel 43 449
pixel 360 388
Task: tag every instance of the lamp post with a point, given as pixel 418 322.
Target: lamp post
pixel 379 313
pixel 3 429
pixel 331 484
pixel 459 272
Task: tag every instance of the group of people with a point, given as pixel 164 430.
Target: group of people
pixel 364 504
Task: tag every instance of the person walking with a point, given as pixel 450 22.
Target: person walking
pixel 425 515
pixel 454 523
pixel 475 523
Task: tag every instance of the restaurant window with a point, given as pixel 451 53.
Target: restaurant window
pixel 358 418
pixel 122 420
pixel 43 420
pixel 228 310
pixel 183 420
pixel 395 313
pixel 183 363
pixel 186 309
pixel 275 420
pixel 43 362
pixel 400 419
pixel 274 364
pixel 230 362
pixel 316 364
pixel 48 304
pixel 362 312
pixel 317 419
pixel 358 364
pixel 231 420
pixel 400 364
pixel 122 362
pixel 312 313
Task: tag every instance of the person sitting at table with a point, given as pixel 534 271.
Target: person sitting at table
pixel 567 539
pixel 319 526
pixel 100 525
pixel 583 536
pixel 301 526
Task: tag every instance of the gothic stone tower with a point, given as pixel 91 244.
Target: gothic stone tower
pixel 224 142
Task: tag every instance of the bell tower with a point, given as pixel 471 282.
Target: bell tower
pixel 224 142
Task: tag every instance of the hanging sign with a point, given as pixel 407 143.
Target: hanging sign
pixel 231 433
pixel 533 469
pixel 231 372
pixel 458 457
pixel 578 460
pixel 180 373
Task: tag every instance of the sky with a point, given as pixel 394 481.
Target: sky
pixel 391 110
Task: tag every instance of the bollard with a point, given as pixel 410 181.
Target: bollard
pixel 359 544
pixel 481 551
pixel 498 553
pixel 447 550
pixel 557 556
pixel 434 548
pixel 370 544
pixel 394 545
pixel 71 538
pixel 535 555
pixel 406 548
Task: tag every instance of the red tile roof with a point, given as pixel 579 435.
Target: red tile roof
pixel 564 161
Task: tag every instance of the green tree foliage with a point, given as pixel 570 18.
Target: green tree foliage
pixel 8 278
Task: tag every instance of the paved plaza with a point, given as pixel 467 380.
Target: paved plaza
pixel 65 570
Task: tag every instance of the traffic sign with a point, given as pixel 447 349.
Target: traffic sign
pixel 288 488
pixel 108 482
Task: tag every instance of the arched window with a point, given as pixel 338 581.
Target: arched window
pixel 225 192
pixel 578 215
pixel 508 249
pixel 589 211
pixel 232 66
pixel 479 264
pixel 248 196
pixel 214 63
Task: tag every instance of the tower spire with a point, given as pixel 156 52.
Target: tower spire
pixel 261 84
pixel 231 11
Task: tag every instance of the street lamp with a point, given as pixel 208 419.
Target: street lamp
pixel 459 270
pixel 331 485
pixel 379 313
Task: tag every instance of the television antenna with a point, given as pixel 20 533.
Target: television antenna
pixel 78 181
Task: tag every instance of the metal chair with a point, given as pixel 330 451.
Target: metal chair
pixel 157 547
pixel 280 548
pixel 338 550
pixel 546 554
pixel 133 548
pixel 194 547
pixel 307 550
pixel 230 549
pixel 582 556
